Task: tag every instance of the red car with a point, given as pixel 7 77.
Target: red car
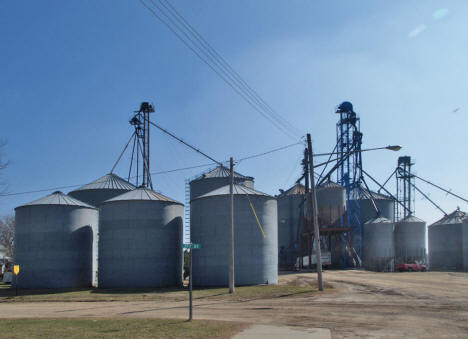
pixel 410 267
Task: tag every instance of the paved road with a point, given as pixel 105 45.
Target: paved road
pixel 361 304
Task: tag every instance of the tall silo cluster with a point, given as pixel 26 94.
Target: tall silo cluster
pixel 255 232
pixel 448 242
pixel 54 239
pixel 290 224
pixel 137 233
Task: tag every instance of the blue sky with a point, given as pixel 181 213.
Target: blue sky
pixel 72 72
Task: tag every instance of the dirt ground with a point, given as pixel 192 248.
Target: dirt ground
pixel 356 304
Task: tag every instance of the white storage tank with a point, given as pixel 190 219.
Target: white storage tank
pixel 54 239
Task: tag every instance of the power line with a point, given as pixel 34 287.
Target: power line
pixel 184 142
pixel 268 152
pixel 78 185
pixel 224 64
pixel 207 54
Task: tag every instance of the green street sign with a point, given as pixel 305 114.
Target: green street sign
pixel 193 246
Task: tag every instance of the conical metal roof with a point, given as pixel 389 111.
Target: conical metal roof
pixel 142 193
pixel 297 189
pixel 220 172
pixel 456 217
pixel 57 198
pixel 366 195
pixel 109 181
pixel 411 218
pixel 379 220
pixel 237 190
pixel 330 184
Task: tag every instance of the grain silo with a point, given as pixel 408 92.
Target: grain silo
pixel 256 256
pixel 331 203
pixel 290 224
pixel 384 203
pixel 102 189
pixel 465 243
pixel 140 240
pixel 378 244
pixel 216 178
pixel 446 242
pixel 54 239
pixel 410 240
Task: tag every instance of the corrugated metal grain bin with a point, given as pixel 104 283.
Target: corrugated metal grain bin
pixel 216 178
pixel 331 203
pixel 140 241
pixel 384 202
pixel 465 243
pixel 410 240
pixel 102 189
pixel 378 245
pixel 290 224
pixel 446 242
pixel 256 257
pixel 54 239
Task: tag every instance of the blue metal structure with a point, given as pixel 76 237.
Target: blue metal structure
pixel 349 174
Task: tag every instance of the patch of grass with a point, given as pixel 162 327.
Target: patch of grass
pixel 7 294
pixel 117 328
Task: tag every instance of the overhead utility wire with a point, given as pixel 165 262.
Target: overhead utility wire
pixel 441 188
pixel 425 196
pixel 388 179
pixel 329 158
pixel 224 64
pixel 268 152
pixel 386 191
pixel 72 186
pixel 159 172
pixel 230 81
pixel 220 71
pixel 184 142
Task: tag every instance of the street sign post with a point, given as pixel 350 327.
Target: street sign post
pixel 16 270
pixel 191 247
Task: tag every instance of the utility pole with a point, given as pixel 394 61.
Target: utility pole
pixel 231 228
pixel 312 199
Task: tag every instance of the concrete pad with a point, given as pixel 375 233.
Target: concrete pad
pixel 267 331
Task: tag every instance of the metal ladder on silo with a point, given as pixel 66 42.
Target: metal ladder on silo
pixel 187 212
